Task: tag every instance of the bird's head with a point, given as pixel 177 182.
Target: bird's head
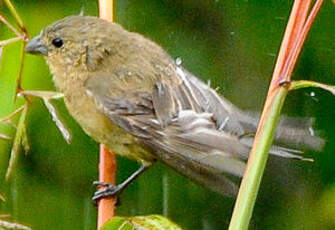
pixel 75 42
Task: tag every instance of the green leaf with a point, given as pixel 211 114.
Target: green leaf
pixel 151 222
pixel 118 223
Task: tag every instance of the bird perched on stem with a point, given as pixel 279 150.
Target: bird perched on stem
pixel 127 93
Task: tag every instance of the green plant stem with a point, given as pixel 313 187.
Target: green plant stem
pixel 10 116
pixel 16 15
pixel 10 26
pixel 19 76
pixel 295 35
pixel 305 83
pixel 14 156
pixel 9 41
pixel 254 171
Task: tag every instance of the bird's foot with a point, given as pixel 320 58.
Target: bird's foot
pixel 108 190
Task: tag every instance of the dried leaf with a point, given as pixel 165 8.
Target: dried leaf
pixel 4 136
pixel 9 41
pixel 11 225
pixel 45 95
pixel 61 126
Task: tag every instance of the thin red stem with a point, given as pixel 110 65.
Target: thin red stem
pixel 107 169
pixel 107 165
pixel 302 37
pixel 294 37
pixel 293 28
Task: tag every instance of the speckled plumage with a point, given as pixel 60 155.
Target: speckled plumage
pixel 127 93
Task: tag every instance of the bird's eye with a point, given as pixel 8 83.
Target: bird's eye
pixel 57 42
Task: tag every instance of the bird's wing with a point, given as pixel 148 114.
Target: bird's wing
pixel 172 121
pixel 297 133
pixel 185 123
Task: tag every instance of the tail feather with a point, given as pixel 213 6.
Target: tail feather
pixel 292 132
pixel 198 171
pixel 297 133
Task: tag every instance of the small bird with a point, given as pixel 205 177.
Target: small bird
pixel 127 93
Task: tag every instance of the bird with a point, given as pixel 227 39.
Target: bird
pixel 129 94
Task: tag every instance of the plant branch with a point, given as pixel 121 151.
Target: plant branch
pixel 47 96
pixel 305 83
pixel 16 16
pixel 19 76
pixel 107 165
pixel 106 10
pixel 10 26
pixel 294 37
pixel 107 170
pixel 19 136
pixel 10 116
pixel 5 137
pixel 9 41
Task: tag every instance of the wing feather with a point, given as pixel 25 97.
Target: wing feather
pixel 185 123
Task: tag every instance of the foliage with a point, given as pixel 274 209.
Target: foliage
pixel 152 222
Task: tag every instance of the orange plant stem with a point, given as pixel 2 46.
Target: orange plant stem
pixel 295 35
pixel 107 165
pixel 107 169
pixel 106 10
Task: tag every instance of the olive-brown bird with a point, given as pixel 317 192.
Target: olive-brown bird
pixel 127 93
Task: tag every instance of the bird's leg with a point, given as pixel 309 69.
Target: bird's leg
pixel 111 190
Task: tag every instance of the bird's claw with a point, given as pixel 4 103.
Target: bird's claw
pixel 107 191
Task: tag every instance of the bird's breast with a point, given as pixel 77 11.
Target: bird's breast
pixel 84 110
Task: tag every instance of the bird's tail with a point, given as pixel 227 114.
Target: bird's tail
pixel 291 133
pixel 294 133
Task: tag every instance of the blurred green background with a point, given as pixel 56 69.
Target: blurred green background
pixel 232 43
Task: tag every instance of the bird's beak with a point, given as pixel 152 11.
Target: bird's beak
pixel 35 46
